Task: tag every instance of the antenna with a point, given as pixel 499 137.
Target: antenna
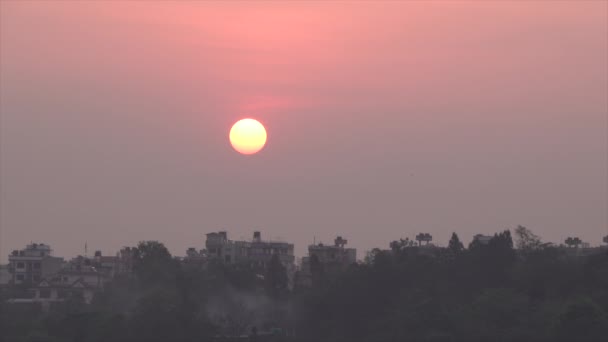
pixel 85 249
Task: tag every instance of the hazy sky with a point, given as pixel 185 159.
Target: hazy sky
pixel 384 120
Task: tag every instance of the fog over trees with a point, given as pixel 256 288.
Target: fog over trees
pixel 512 288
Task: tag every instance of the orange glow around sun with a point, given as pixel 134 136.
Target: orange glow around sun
pixel 248 136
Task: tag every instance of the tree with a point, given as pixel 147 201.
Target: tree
pixel 317 271
pixel 400 245
pixel 153 263
pixel 605 239
pixel 395 246
pixel 276 277
pixel 493 260
pixel 526 240
pixel 582 320
pixel 155 317
pixel 502 240
pixel 455 245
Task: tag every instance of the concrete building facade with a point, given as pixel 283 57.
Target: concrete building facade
pixel 255 252
pixel 33 263
pixel 334 258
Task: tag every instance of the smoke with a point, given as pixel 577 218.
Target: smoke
pixel 236 311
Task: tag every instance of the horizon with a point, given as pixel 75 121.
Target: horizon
pixel 360 254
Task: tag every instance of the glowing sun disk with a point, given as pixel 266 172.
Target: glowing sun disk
pixel 248 136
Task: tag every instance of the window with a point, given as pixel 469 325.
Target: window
pixel 20 265
pixel 62 294
pixel 20 277
pixel 36 265
pixel 45 293
pixel 36 277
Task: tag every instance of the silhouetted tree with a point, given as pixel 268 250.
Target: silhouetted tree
pixel 276 277
pixel 155 317
pixel 582 320
pixel 494 259
pixel 502 240
pixel 526 240
pixel 400 244
pixel 153 263
pixel 486 294
pixel 317 271
pixel 605 239
pixel 395 246
pixel 455 246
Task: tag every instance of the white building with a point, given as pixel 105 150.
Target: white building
pixel 334 258
pixel 33 263
pixel 255 252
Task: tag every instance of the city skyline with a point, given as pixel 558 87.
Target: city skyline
pixel 87 252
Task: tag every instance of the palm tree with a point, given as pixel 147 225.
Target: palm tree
pixel 395 246
pixel 420 238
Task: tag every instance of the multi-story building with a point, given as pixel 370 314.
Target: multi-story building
pixel 33 263
pixel 107 265
pixel 125 261
pixel 81 277
pixel 334 259
pixel 255 252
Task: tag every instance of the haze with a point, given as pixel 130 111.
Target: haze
pixel 384 120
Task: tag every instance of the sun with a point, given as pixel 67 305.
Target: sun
pixel 248 136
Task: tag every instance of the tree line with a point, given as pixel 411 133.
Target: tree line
pixel 512 288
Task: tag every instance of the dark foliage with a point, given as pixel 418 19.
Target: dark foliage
pixel 488 292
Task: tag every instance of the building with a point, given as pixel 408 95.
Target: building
pixel 125 261
pixel 33 263
pixel 79 277
pixel 57 289
pixel 482 239
pixel 83 269
pixel 334 258
pixel 255 252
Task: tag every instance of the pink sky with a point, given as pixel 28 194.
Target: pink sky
pixel 385 119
